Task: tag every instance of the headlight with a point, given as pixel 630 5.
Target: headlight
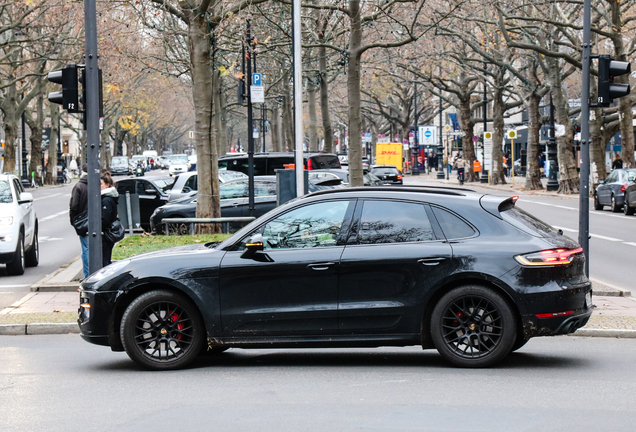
pixel 6 220
pixel 107 271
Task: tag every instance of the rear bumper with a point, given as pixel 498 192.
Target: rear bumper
pixel 533 326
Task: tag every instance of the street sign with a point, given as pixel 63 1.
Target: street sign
pixel 512 134
pixel 256 79
pixel 257 93
pixel 475 138
pixel 487 136
pixel 426 135
pixel 447 128
pixel 255 133
pixel 559 130
pixel 191 134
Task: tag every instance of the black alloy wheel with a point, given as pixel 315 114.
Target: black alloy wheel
pixel 627 210
pixel 597 205
pixel 162 330
pixel 473 326
pixel 614 207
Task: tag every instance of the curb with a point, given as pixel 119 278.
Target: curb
pixel 38 329
pixel 608 333
pixel 44 285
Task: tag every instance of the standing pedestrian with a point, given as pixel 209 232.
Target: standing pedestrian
pixel 78 212
pixel 110 198
pixel 618 162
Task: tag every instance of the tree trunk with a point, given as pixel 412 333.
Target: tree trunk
pixel 468 147
pixel 9 105
pixel 216 103
pixel 224 143
pixel 313 121
pixel 36 125
pixel 499 107
pixel 207 167
pixel 324 100
pixel 275 131
pixel 533 175
pixel 353 93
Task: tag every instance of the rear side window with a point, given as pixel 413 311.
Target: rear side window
pixel 240 164
pixel 264 188
pixel 126 186
pixel 393 222
pixel 528 223
pixel 191 183
pixel 233 190
pixel 324 161
pixel 453 226
pixel 275 163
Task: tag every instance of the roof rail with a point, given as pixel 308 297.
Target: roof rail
pixel 421 189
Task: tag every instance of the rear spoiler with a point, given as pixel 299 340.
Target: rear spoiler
pixel 496 204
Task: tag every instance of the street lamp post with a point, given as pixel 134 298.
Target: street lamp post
pixel 25 169
pixel 553 184
pixel 440 155
pixel 416 141
pixel 484 173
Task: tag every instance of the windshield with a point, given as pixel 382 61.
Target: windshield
pixel 5 192
pixel 164 184
pixel 179 160
pixel 118 161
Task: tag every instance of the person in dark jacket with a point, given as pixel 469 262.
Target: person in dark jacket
pixel 617 163
pixel 110 198
pixel 79 204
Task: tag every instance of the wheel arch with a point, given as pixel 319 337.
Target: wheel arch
pixel 494 284
pixel 127 296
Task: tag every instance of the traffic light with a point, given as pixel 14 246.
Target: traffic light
pixel 68 96
pixel 607 70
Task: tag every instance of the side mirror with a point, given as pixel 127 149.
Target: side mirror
pixel 151 191
pixel 253 245
pixel 25 197
pixel 186 189
pixel 601 182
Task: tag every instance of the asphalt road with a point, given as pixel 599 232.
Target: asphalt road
pixel 58 242
pixel 61 383
pixel 613 242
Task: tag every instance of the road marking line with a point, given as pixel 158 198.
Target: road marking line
pixel 54 216
pixel 592 235
pixel 592 212
pixel 47 239
pixel 629 243
pixel 48 196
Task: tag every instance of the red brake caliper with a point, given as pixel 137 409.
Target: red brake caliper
pixel 174 317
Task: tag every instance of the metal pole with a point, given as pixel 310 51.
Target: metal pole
pixel 92 142
pixel 553 184
pixel 484 173
pixel 584 180
pixel 416 141
pixel 25 168
pixel 298 99
pixel 440 155
pixel 263 113
pixel 250 126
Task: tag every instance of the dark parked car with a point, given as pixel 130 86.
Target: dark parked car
pixel 268 163
pixel 152 191
pixel 233 198
pixel 468 274
pixel 611 191
pixel 388 174
pixel 629 206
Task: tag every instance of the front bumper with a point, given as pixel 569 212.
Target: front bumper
pixel 96 322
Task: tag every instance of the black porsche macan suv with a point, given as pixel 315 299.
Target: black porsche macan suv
pixel 468 274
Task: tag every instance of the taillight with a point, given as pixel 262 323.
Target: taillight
pixel 399 177
pixel 624 187
pixel 309 164
pixel 548 257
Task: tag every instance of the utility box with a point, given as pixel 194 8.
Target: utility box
pixel 389 154
pixel 286 185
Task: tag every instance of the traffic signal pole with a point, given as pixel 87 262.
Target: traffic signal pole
pixel 584 179
pixel 92 141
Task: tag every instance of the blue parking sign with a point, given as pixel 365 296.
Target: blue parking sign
pixel 256 79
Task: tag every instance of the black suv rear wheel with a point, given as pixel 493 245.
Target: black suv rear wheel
pixel 473 326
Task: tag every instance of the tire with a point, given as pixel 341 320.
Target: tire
pixel 32 258
pixel 151 334
pixel 627 210
pixel 614 207
pixel 16 266
pixel 519 343
pixel 597 205
pixel 480 320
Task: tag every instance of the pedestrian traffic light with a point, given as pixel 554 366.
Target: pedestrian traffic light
pixel 68 96
pixel 607 70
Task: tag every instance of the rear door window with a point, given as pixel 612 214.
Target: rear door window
pixel 126 186
pixel 274 163
pixel 386 221
pixel 233 190
pixel 264 188
pixel 191 184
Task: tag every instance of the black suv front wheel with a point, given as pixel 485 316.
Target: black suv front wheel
pixel 473 326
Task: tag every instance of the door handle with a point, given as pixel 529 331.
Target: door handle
pixel 321 266
pixel 433 261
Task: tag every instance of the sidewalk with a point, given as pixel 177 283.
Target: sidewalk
pixel 50 312
pixel 519 186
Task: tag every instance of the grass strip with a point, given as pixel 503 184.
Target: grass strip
pixel 138 244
